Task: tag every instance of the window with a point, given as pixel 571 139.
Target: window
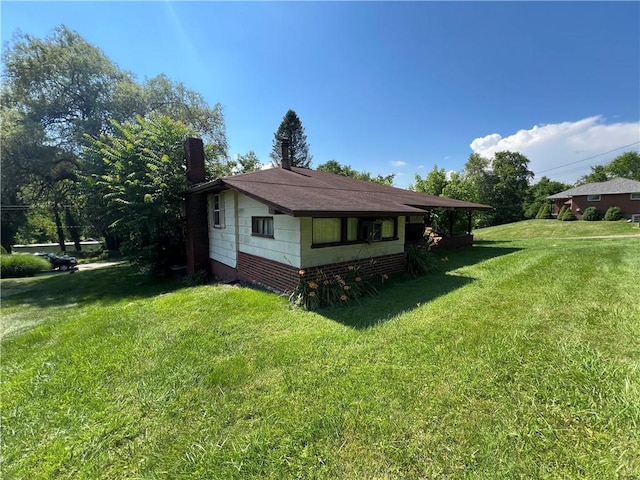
pixel 218 211
pixel 342 231
pixel 327 230
pixel 593 198
pixel 262 226
pixel 635 196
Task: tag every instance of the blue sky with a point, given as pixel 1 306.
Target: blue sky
pixel 387 87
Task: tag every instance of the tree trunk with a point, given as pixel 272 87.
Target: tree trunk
pixel 72 228
pixel 59 231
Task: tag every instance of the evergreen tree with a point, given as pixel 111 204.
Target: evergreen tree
pixel 291 128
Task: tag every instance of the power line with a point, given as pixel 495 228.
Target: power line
pixel 588 158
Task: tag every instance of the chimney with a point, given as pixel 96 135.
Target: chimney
pixel 195 207
pixel 286 161
pixel 194 153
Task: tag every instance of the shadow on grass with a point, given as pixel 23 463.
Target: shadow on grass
pixel 404 292
pixel 104 285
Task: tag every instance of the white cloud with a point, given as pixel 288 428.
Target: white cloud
pixel 554 145
pixel 420 167
pixel 398 163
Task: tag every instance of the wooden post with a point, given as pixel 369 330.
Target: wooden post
pixel 452 217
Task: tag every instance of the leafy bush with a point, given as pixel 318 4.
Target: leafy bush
pixel 568 216
pixel 562 211
pixel 322 290
pixel 591 214
pixel 420 261
pixel 197 278
pixel 14 266
pixel 2 250
pixel 544 212
pixel 613 214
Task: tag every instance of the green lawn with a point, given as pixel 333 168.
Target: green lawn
pixel 556 229
pixel 520 359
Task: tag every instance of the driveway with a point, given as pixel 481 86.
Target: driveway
pixel 94 265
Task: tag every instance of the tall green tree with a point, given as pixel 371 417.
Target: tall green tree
pixel 510 183
pixel 291 128
pixel 61 88
pixel 433 184
pixel 142 185
pixel 333 166
pixel 460 188
pixel 626 165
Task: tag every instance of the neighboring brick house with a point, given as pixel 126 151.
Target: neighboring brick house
pixel 618 192
pixel 265 226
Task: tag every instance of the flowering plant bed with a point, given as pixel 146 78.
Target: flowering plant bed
pixel 322 290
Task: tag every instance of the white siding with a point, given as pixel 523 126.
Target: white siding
pixel 312 257
pixel 223 241
pixel 292 240
pixel 284 247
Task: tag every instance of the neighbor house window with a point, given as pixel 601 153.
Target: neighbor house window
pixel 635 196
pixel 262 226
pixel 344 231
pixel 218 211
pixel 593 198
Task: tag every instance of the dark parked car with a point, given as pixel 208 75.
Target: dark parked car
pixel 62 263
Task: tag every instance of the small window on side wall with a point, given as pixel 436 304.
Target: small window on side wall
pixel 262 226
pixel 635 196
pixel 593 198
pixel 218 211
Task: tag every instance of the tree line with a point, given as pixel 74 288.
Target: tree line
pixel 505 182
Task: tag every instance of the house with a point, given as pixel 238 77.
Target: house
pixel 618 192
pixel 264 227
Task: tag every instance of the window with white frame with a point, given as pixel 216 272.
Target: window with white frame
pixel 593 198
pixel 262 226
pixel 217 209
pixel 635 196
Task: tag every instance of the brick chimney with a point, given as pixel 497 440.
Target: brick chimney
pixel 194 153
pixel 197 232
pixel 286 161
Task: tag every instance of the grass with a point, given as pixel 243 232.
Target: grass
pixel 549 229
pixel 520 359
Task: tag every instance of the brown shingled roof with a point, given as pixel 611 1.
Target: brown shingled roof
pixel 302 192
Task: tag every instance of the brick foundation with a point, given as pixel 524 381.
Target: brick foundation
pixel 284 278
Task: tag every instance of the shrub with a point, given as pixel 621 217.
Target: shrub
pixel 591 214
pixel 613 214
pixel 197 278
pixel 568 216
pixel 322 290
pixel 562 212
pixel 544 212
pixel 14 266
pixel 420 261
pixel 2 250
